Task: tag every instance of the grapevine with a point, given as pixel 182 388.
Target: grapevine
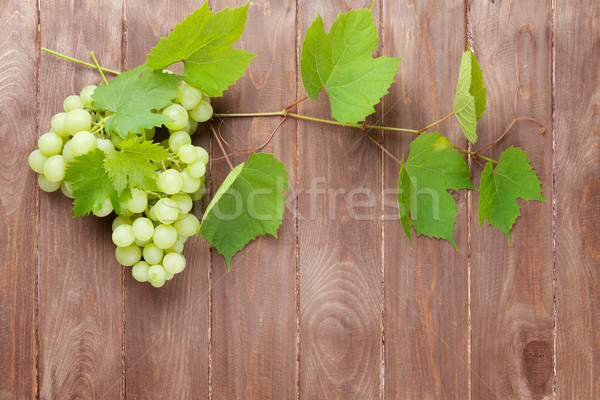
pixel 125 146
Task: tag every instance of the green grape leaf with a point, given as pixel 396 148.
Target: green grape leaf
pixel 131 166
pixel 499 188
pixel 132 96
pixel 433 167
pixel 203 42
pixel 248 203
pixel 469 103
pixel 91 184
pixel 342 62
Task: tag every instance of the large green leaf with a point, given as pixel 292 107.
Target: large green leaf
pixel 248 203
pixel 203 42
pixel 131 166
pixel 500 187
pixel 342 62
pixel 132 96
pixel 469 103
pixel 91 184
pixel 432 168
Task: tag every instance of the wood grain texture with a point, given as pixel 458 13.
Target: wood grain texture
pixel 577 122
pixel 512 284
pixel 80 301
pixel 426 284
pixel 339 247
pixel 166 329
pixel 254 340
pixel 18 200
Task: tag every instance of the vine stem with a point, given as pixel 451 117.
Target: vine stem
pixel 220 145
pixel 112 71
pixel 284 112
pixel 542 130
pixel 98 66
pixel 436 122
pixel 393 157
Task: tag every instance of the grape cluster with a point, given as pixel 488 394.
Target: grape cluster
pixel 152 227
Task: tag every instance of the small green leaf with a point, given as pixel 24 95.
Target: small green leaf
pixel 203 42
pixel 513 177
pixel 132 96
pixel 131 166
pixel 433 167
pixel 91 184
pixel 342 62
pixel 248 203
pixel 469 103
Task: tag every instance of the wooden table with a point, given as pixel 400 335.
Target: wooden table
pixel 340 306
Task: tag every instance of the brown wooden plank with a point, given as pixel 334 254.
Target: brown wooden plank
pixel 166 329
pixel 80 305
pixel 254 340
pixel 339 247
pixel 18 199
pixel 426 285
pixel 511 296
pixel 577 152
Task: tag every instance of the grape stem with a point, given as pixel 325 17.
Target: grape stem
pixel 112 71
pixel 98 67
pixel 220 144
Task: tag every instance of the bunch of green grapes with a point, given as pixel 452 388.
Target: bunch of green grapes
pixel 152 227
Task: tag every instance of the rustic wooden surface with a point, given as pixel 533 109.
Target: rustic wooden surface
pixel 339 306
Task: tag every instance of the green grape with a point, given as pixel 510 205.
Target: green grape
pixel 116 140
pixel 166 210
pixel 67 153
pixel 140 271
pixel 158 284
pixel 123 235
pixel 188 96
pixel 190 184
pixel 182 239
pixel 156 273
pixel 58 124
pixel 86 95
pixel 174 262
pixel 178 139
pixel 202 154
pixel 152 213
pixel 192 126
pixel 126 212
pixel 184 202
pixel 170 181
pixel 202 112
pixel 177 247
pixel 196 170
pixel 72 102
pixel 148 133
pixel 54 168
pixel 105 145
pixel 120 220
pixel 187 153
pixel 82 143
pixel 105 209
pixel 187 226
pixel 164 236
pixel 153 254
pixel 143 229
pixel 48 186
pixel 50 144
pixel 138 201
pixel 197 195
pixel 178 114
pixel 127 256
pixel 77 120
pixel 168 276
pixel 37 160
pixel 65 187
pixel 141 243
